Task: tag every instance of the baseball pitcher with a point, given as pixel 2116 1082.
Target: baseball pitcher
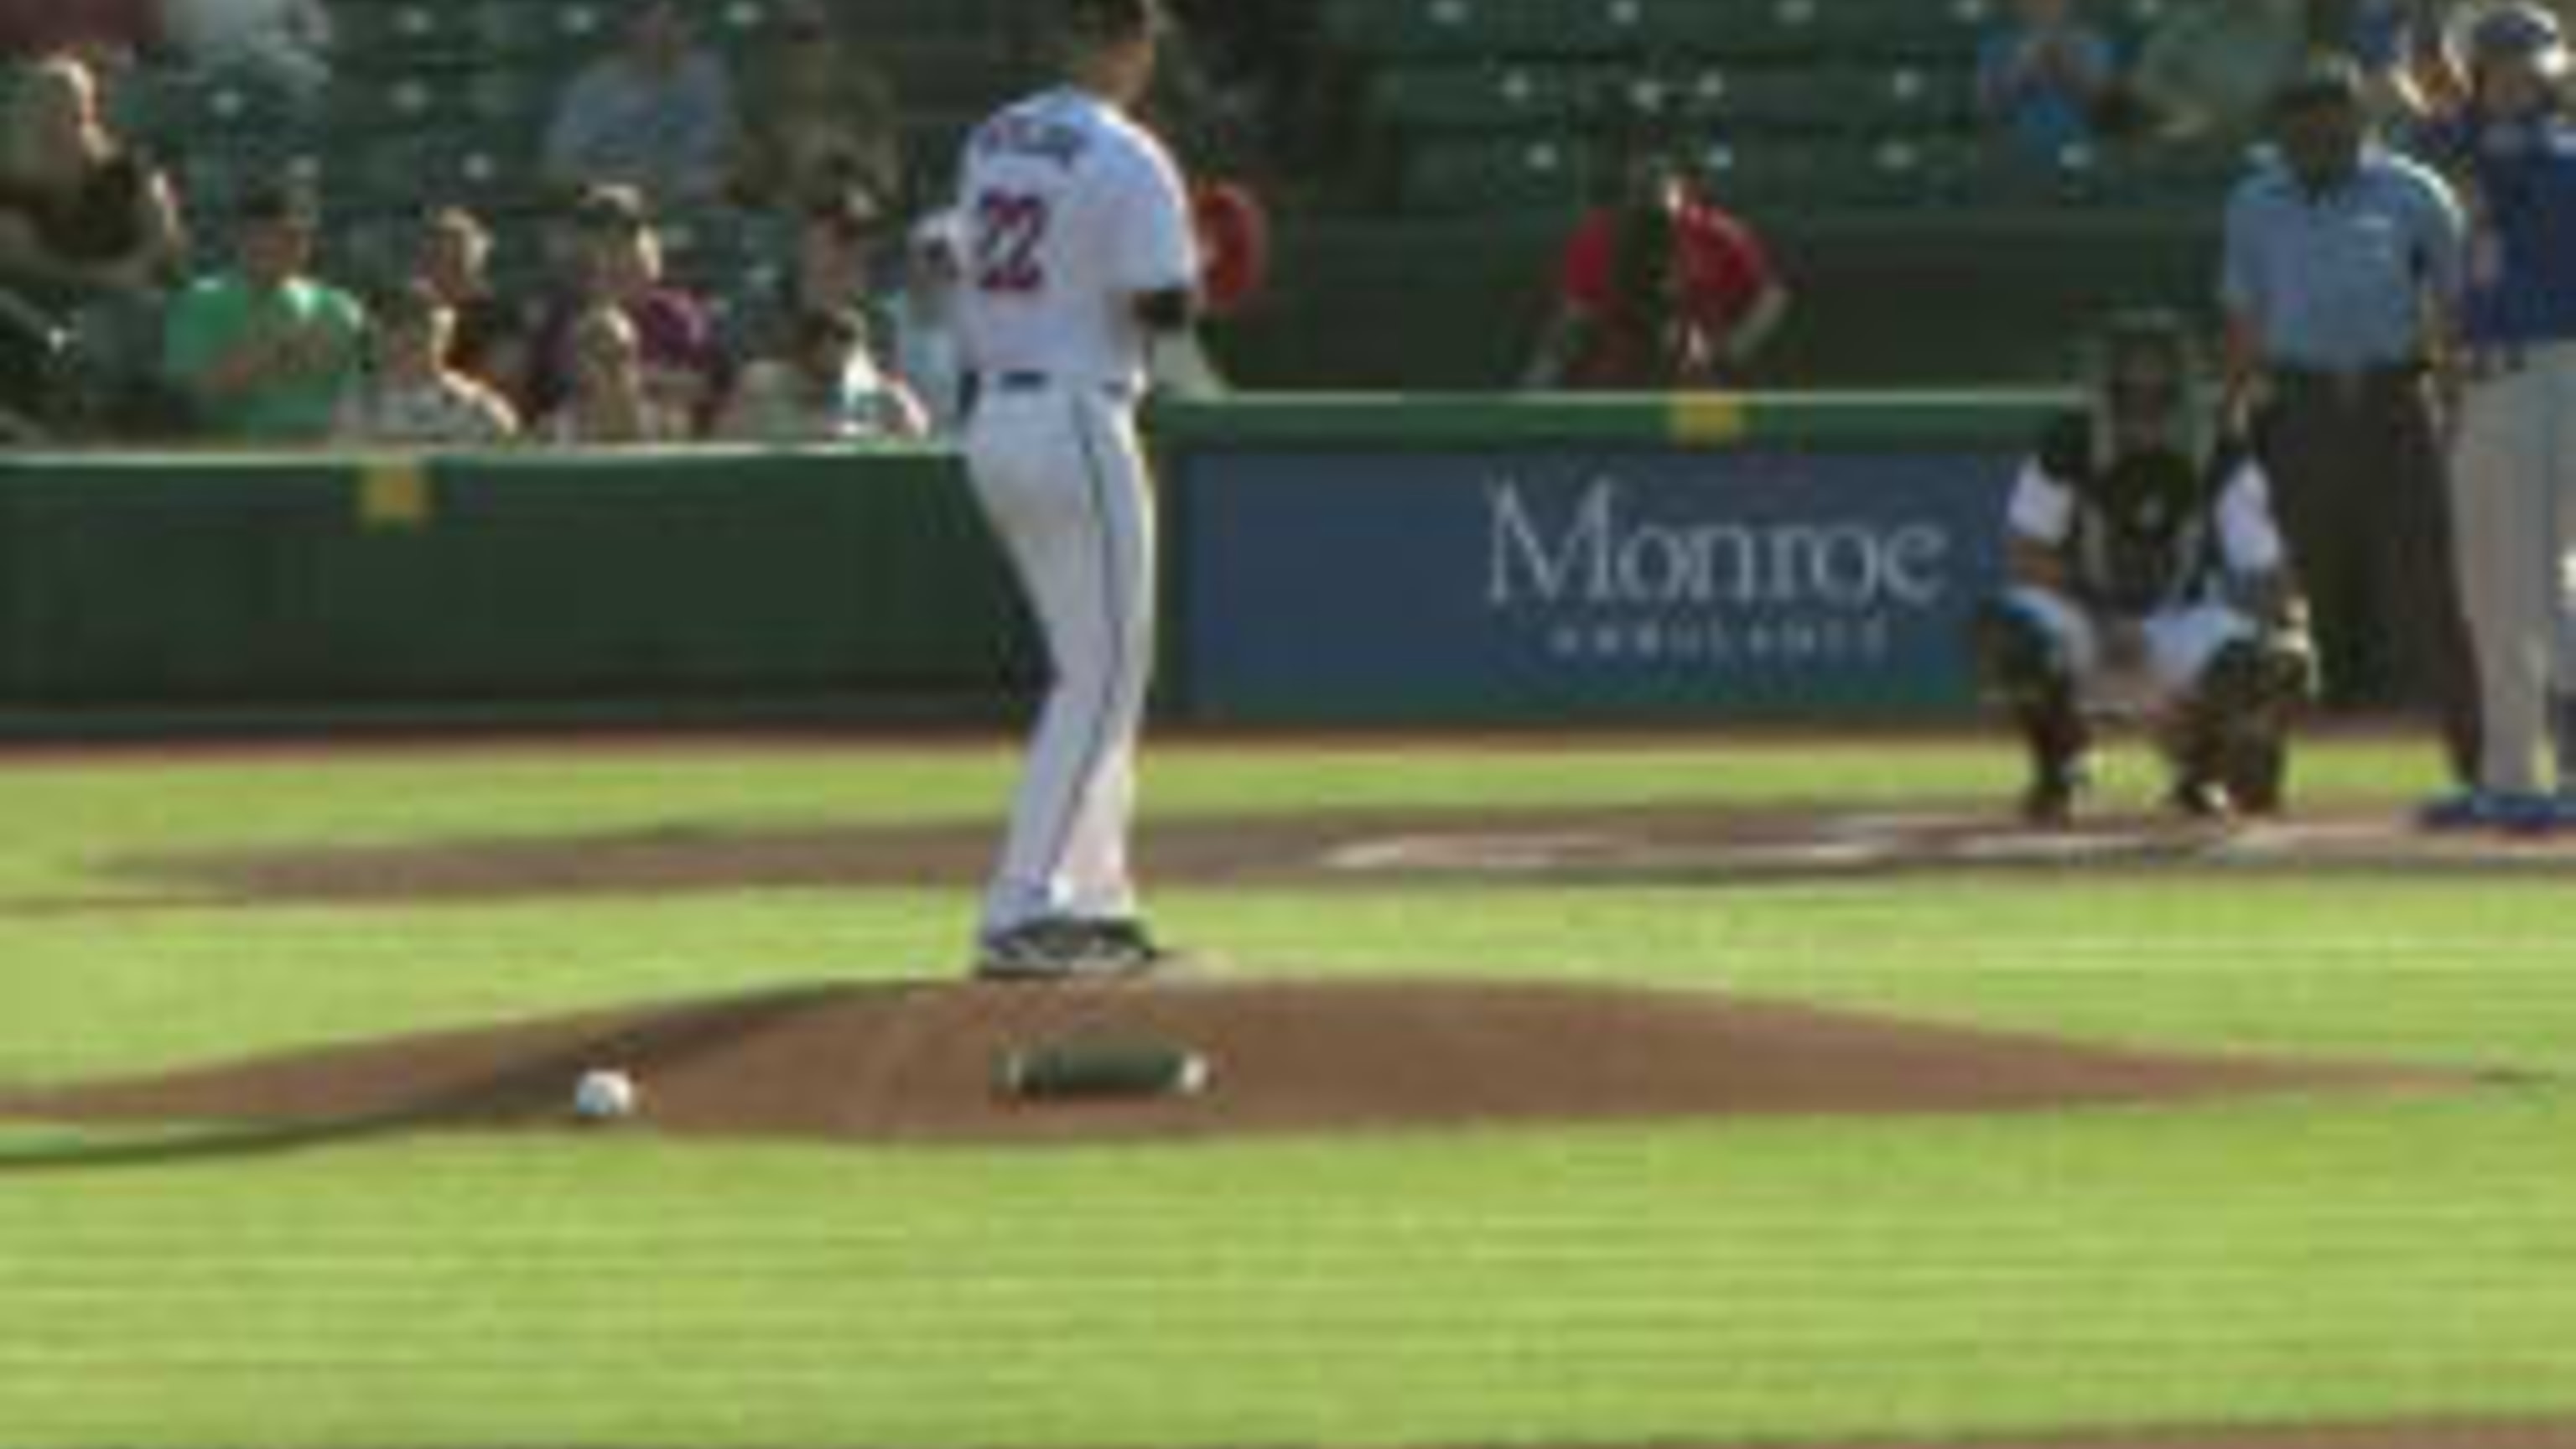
pixel 1078 254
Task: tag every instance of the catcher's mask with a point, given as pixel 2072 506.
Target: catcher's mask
pixel 2144 390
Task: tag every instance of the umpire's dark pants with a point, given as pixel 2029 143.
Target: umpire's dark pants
pixel 2359 477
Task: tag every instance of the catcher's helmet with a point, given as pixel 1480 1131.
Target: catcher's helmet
pixel 2144 385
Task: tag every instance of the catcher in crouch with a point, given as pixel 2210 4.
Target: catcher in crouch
pixel 2146 575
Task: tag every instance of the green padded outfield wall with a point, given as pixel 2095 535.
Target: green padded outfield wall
pixel 284 580
pixel 1469 558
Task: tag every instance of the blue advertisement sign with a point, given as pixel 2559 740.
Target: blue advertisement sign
pixel 1518 586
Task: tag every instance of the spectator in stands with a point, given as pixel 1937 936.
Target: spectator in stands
pixel 831 269
pixel 617 256
pixel 79 27
pixel 823 387
pixel 2343 269
pixel 656 114
pixel 821 118
pixel 1659 289
pixel 412 397
pixel 2209 70
pixel 265 351
pixel 453 258
pixel 90 236
pixel 2043 78
pixel 81 214
pixel 920 321
pixel 610 400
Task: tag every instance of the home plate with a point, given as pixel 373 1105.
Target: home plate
pixel 1519 854
pixel 2048 847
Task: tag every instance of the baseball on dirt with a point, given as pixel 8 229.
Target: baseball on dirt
pixel 605 1095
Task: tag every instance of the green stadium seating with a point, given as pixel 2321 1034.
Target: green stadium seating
pixel 1778 31
pixel 398 102
pixel 2176 174
pixel 370 35
pixel 1941 32
pixel 1479 96
pixel 1739 99
pixel 1446 29
pixel 1626 29
pixel 1473 175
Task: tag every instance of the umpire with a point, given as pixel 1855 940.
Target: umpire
pixel 2343 268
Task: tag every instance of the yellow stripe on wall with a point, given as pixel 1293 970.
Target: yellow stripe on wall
pixel 394 495
pixel 1708 420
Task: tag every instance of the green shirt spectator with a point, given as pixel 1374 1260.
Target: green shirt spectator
pixel 265 352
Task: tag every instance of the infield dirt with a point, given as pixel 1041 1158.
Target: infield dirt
pixel 917 1063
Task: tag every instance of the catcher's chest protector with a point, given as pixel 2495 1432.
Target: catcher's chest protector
pixel 2145 531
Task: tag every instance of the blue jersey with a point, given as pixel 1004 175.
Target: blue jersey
pixel 2521 181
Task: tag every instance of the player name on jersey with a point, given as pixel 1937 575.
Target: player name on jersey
pixel 1034 136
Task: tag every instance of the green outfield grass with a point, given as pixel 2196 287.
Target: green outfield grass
pixel 2274 1261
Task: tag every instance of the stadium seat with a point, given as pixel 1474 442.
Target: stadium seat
pixel 371 35
pixel 1906 96
pixel 1936 32
pixel 1608 28
pixel 1739 100
pixel 2163 174
pixel 487 171
pixel 1444 29
pixel 1481 175
pixel 1762 173
pixel 2006 178
pixel 1764 30
pixel 398 102
pixel 1474 97
pixel 1890 173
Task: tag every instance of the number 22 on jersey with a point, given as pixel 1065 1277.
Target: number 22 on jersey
pixel 1010 242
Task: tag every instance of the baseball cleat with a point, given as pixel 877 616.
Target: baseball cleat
pixel 2481 809
pixel 2202 800
pixel 2050 801
pixel 1058 948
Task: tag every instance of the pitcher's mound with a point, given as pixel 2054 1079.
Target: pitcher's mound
pixel 917 1063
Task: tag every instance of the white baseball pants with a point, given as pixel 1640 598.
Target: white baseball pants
pixel 1061 475
pixel 2179 645
pixel 2513 489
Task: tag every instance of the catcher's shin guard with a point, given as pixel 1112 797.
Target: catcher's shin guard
pixel 2053 731
pixel 2022 666
pixel 2230 748
pixel 2019 660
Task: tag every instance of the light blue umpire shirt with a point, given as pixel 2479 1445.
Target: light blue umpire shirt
pixel 2336 280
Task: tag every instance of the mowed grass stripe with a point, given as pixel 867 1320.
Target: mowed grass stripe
pixel 2357 1258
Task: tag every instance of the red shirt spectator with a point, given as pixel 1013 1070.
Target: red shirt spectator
pixel 42 27
pixel 620 260
pixel 1662 290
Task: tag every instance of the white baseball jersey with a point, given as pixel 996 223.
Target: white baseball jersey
pixel 2043 509
pixel 1071 211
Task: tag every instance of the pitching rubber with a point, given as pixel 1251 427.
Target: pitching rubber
pixel 1095 1070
